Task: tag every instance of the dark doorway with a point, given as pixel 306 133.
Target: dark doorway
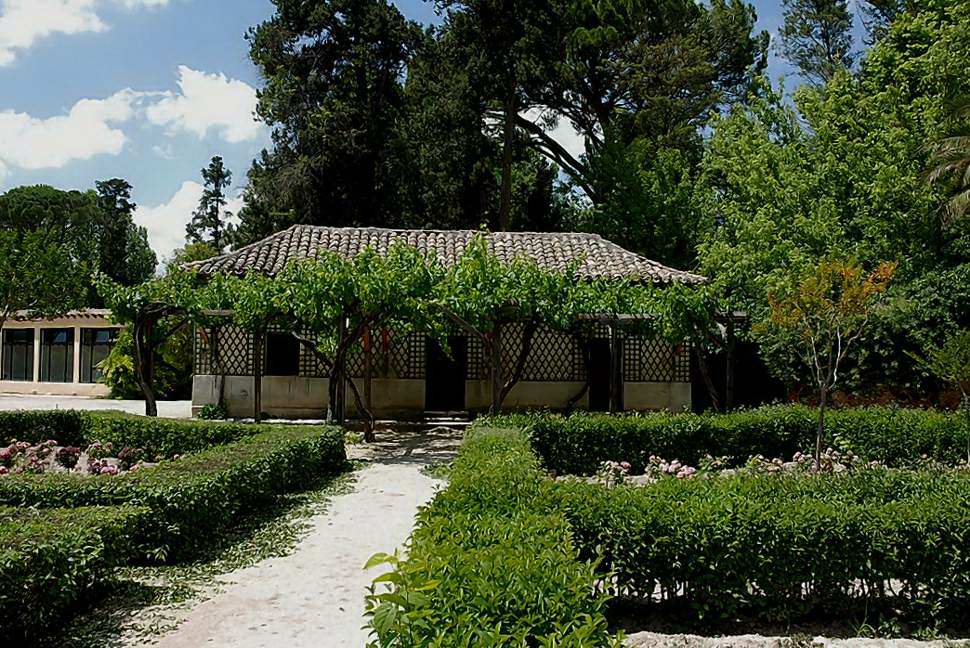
pixel 445 376
pixel 600 370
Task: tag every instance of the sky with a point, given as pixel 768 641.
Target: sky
pixel 148 91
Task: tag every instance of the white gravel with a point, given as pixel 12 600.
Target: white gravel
pixel 315 596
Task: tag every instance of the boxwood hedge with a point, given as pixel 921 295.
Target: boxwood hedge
pixel 784 546
pixel 159 437
pixel 579 443
pixel 50 558
pixel 490 562
pixel 198 493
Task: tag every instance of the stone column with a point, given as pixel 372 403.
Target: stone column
pixel 77 355
pixel 37 331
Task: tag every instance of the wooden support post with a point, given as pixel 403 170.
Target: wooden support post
pixel 258 339
pixel 616 371
pixel 368 401
pixel 729 365
pixel 340 394
pixel 495 350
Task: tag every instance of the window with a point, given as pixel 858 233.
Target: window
pixel 282 355
pixel 96 344
pixel 57 355
pixel 18 355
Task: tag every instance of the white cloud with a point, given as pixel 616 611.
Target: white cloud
pixel 209 102
pixel 24 22
pixel 166 223
pixel 87 130
pixel 564 133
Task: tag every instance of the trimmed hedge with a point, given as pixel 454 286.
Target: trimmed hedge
pixel 69 427
pixel 784 546
pixel 490 562
pixel 49 559
pixel 197 494
pixel 163 437
pixel 579 443
pixel 159 437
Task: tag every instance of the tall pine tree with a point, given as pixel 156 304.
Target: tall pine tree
pixel 209 222
pixel 816 37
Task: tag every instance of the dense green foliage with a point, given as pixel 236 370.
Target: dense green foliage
pixel 67 427
pixel 197 494
pixel 123 250
pixel 490 562
pixel 158 437
pixel 579 443
pixel 50 558
pixel 866 545
pixel 816 37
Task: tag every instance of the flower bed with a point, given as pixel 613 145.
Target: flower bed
pixel 48 457
pixel 490 562
pixel 580 443
pixel 784 545
pixel 50 558
pixel 197 494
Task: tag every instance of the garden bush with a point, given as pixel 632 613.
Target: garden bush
pixel 163 437
pixel 50 558
pixel 490 562
pixel 158 437
pixel 68 427
pixel 198 493
pixel 783 546
pixel 579 443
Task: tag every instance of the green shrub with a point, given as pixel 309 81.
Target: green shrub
pixel 785 546
pixel 69 427
pixel 490 562
pixel 579 443
pixel 49 559
pixel 163 437
pixel 199 493
pixel 157 436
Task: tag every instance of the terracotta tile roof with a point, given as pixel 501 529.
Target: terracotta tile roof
pixel 554 251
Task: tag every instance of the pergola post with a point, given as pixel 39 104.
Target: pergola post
pixel 258 338
pixel 495 349
pixel 616 370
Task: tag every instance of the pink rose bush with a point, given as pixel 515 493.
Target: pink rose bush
pixel 613 473
pixel 21 457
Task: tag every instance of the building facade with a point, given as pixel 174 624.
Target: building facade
pixel 56 356
pixel 410 373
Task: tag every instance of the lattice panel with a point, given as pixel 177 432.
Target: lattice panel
pixel 554 357
pixel 651 360
pixel 235 351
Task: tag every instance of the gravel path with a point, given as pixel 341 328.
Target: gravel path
pixel 315 596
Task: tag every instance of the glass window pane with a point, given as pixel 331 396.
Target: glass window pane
pixel 95 346
pixel 18 355
pixel 57 355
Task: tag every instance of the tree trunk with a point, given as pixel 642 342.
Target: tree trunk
pixel 495 351
pixel 258 376
pixel 505 208
pixel 528 335
pixel 820 434
pixel 706 376
pixel 584 345
pixel 729 367
pixel 144 360
pixel 337 387
pixel 368 400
